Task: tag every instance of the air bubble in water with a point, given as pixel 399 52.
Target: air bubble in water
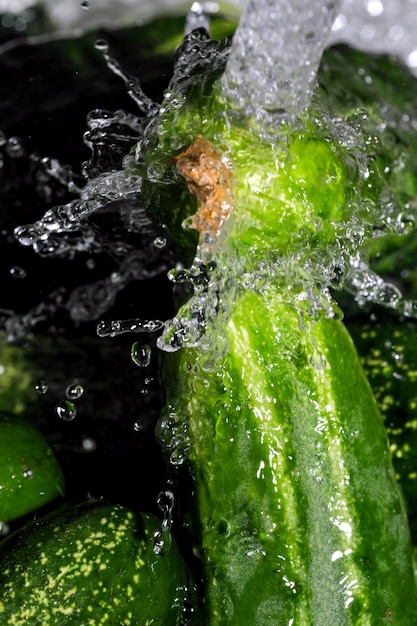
pixel 4 529
pixel 41 387
pixel 66 410
pixel 74 391
pixel 141 354
pixel 85 5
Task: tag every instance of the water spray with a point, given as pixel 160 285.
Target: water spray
pixel 277 47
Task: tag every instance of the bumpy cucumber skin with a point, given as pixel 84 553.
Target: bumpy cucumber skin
pixel 302 521
pixel 92 565
pixel 30 475
pixel 300 516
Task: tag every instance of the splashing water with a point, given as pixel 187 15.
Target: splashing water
pixel 271 72
pixel 114 182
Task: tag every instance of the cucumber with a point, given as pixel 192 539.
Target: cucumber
pixel 301 518
pixel 30 475
pixel 298 516
pixel 91 565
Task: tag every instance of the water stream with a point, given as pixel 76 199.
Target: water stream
pixel 272 69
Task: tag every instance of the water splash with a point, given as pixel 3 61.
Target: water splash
pixel 370 288
pixel 113 186
pixel 271 73
pixel 114 328
pixel 162 538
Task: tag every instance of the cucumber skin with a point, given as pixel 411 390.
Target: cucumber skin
pixel 302 521
pixel 94 564
pixel 30 475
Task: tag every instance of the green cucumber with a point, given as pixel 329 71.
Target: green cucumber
pixel 30 475
pixel 298 516
pixel 91 565
pixel 301 518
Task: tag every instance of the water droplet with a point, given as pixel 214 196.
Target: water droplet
pixel 41 387
pixel 141 354
pixel 18 272
pixel 14 148
pixel 162 538
pixel 27 473
pixel 25 235
pixel 4 529
pixel 162 541
pixel 102 45
pixel 165 501
pixel 66 410
pixel 74 391
pixel 160 242
pixel 179 454
pixel 116 278
pixel 88 444
pixel 137 427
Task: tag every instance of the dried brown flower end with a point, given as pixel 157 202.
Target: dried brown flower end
pixel 208 174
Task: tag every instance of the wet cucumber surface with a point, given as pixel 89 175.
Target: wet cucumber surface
pixel 300 514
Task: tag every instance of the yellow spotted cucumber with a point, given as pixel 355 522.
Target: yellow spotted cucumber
pixel 91 565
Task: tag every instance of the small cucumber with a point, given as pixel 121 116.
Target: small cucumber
pixel 30 475
pixel 94 564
